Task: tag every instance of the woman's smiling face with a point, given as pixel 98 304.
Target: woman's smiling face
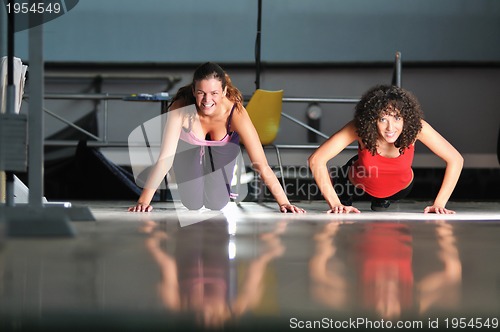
pixel 390 125
pixel 208 94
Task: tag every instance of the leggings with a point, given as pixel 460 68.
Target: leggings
pixel 346 190
pixel 204 178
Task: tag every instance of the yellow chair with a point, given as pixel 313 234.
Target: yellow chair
pixel 264 109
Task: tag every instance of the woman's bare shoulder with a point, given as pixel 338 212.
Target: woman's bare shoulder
pixel 178 104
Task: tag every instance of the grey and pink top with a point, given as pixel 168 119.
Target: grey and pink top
pixel 230 137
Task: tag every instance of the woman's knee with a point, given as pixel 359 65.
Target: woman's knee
pixel 217 204
pixel 191 199
pixel 192 205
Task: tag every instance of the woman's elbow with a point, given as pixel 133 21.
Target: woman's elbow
pixel 458 160
pixel 312 160
pixel 315 160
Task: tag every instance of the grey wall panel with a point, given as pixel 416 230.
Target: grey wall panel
pixel 194 31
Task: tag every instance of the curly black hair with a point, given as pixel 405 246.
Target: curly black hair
pixel 381 100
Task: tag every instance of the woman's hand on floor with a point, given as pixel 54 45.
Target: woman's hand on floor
pixel 284 208
pixel 343 209
pixel 139 207
pixel 438 210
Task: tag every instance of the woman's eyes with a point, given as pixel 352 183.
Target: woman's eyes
pixel 397 118
pixel 199 93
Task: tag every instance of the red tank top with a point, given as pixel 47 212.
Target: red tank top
pixel 381 176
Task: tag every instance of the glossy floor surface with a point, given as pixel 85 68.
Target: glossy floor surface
pixel 252 268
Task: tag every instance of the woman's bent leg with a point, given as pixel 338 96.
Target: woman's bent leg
pixel 189 177
pixel 218 180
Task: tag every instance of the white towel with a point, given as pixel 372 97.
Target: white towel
pixel 19 80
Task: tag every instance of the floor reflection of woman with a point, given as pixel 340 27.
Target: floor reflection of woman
pixel 384 271
pixel 196 278
pixel 384 252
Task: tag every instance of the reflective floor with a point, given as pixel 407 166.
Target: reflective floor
pixel 251 268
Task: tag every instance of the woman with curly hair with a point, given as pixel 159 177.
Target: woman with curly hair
pixel 387 122
pixel 204 125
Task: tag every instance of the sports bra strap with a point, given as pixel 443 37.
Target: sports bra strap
pixel 228 126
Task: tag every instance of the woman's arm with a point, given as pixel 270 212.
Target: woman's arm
pixel 168 288
pixel 243 125
pixel 318 165
pixel 454 163
pixel 168 147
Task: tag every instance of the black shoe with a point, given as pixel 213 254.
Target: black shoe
pixel 346 201
pixel 380 204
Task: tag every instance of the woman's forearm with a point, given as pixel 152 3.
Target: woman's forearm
pixel 273 184
pixel 146 196
pixel 158 172
pixel 450 179
pixel 323 181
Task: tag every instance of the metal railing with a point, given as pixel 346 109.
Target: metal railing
pixel 98 141
pixel 105 97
